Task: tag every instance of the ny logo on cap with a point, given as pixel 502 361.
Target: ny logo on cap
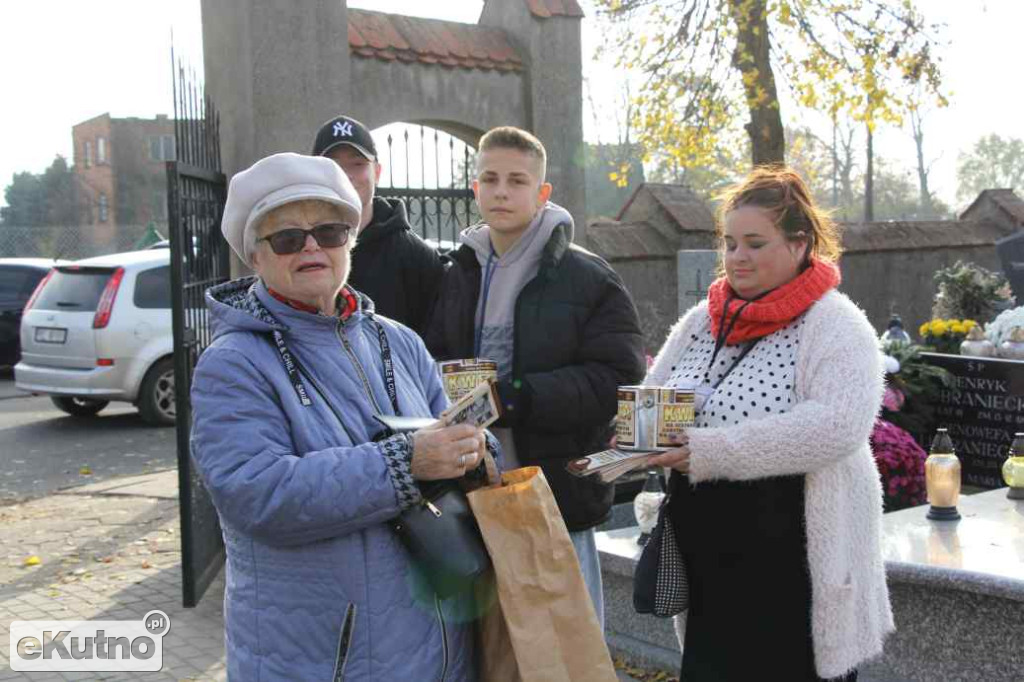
pixel 343 128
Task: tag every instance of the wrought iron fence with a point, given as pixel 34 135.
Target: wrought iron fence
pixel 74 242
pixel 434 175
pixel 196 190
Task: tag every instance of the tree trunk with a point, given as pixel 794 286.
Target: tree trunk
pixel 753 60
pixel 925 200
pixel 869 181
pixel 846 166
pixel 835 164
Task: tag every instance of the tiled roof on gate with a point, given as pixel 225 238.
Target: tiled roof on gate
pixel 394 37
pixel 899 235
pixel 546 9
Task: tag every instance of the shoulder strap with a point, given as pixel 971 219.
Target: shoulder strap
pixel 389 368
pixel 296 372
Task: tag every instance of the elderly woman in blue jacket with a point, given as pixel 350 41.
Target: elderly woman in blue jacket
pixel 284 403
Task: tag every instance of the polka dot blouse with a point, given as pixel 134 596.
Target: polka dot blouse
pixel 759 386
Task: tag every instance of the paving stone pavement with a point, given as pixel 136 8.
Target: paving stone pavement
pixel 111 551
pixel 108 551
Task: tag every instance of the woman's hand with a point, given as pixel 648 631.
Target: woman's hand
pixel 447 452
pixel 676 458
pixel 474 481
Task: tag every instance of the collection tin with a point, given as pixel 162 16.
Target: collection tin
pixel 650 416
pixel 459 377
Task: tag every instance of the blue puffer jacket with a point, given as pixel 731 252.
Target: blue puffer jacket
pixel 318 586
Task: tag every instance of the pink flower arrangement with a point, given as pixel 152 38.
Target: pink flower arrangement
pixel 900 461
pixel 893 399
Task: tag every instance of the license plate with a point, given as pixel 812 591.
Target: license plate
pixel 51 335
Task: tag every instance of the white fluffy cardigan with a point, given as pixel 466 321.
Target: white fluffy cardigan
pixel 839 383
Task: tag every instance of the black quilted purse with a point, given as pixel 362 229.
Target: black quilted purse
pixel 443 539
pixel 660 584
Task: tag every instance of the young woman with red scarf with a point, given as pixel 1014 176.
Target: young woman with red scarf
pixel 775 496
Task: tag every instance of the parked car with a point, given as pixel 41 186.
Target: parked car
pixel 18 279
pixel 98 330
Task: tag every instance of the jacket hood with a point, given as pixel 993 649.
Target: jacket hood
pixel 389 216
pixel 530 244
pixel 237 306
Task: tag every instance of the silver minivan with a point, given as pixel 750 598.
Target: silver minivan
pixel 98 330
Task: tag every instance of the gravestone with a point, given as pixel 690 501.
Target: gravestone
pixel 695 271
pixel 1011 255
pixel 982 411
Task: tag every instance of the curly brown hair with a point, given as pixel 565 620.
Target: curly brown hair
pixel 781 192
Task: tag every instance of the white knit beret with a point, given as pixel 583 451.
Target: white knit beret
pixel 278 180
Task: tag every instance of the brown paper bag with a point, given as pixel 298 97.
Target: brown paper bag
pixel 552 629
pixel 497 658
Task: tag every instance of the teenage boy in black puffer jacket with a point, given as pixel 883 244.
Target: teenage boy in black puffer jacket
pixel 556 319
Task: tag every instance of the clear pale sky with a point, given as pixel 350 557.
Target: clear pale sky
pixel 66 61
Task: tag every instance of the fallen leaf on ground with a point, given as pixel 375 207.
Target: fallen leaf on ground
pixel 85 471
pixel 32 561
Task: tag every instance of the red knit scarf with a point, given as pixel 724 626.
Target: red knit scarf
pixel 775 310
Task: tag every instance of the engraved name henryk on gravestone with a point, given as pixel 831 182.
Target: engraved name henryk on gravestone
pixel 695 271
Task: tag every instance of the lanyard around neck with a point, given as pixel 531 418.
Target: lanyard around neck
pixel 723 333
pixel 295 369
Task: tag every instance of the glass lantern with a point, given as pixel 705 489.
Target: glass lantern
pixel 1013 468
pixel 895 334
pixel 942 479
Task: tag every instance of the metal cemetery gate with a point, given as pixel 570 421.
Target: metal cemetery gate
pixel 436 213
pixel 196 191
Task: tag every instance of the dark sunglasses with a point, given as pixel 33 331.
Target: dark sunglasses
pixel 293 239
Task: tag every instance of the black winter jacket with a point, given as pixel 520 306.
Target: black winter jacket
pixel 396 269
pixel 577 337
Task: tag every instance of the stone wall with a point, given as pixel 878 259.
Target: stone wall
pixel 881 282
pixel 652 285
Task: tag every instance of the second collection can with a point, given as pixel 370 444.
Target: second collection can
pixel 649 417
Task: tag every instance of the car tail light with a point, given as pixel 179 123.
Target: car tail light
pixel 38 290
pixel 106 304
pixel 104 362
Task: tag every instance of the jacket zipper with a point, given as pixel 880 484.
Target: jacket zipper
pixel 344 642
pixel 340 331
pixel 444 638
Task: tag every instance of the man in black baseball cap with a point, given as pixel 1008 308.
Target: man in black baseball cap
pixel 390 263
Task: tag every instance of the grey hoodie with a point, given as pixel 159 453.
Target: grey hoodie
pixel 502 278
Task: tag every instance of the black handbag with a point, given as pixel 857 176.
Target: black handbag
pixel 660 583
pixel 440 533
pixel 443 539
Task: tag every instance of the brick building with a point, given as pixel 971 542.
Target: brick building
pixel 119 168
